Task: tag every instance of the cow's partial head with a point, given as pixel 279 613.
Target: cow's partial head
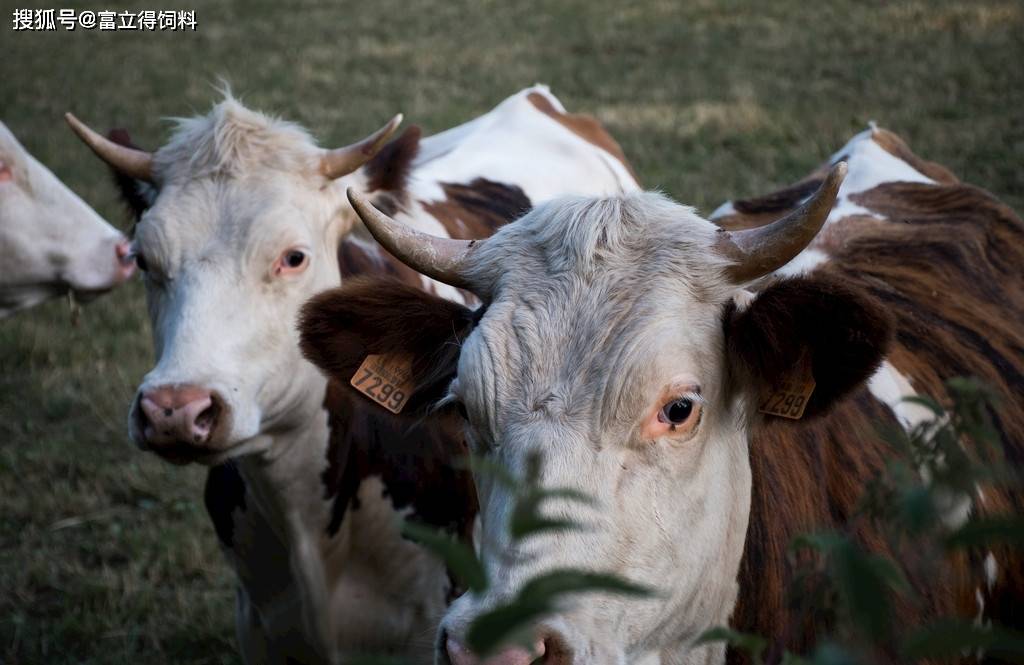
pixel 243 228
pixel 51 241
pixel 621 342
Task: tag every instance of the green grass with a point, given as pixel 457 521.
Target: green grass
pixel 107 556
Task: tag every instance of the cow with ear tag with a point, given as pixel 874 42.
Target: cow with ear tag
pixel 718 391
pixel 52 242
pixel 243 218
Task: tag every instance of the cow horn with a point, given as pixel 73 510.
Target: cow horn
pixel 129 161
pixel 342 161
pixel 758 251
pixel 442 259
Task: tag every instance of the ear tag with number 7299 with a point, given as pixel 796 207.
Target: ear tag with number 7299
pixel 385 379
pixel 789 398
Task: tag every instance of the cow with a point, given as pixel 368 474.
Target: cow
pixel 631 343
pixel 52 242
pixel 247 218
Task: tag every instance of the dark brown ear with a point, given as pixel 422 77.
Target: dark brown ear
pixel 842 332
pixel 368 315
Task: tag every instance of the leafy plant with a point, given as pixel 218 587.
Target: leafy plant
pixel 510 622
pixel 934 472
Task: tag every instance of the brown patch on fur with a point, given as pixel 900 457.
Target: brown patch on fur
pixel 843 334
pixel 947 263
pixel 415 456
pixel 808 477
pixel 476 210
pixel 584 126
pixel 896 147
pixel 415 453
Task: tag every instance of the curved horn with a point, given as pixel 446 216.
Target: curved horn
pixel 129 161
pixel 757 252
pixel 342 161
pixel 438 258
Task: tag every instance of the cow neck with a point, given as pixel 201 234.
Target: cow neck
pixel 285 478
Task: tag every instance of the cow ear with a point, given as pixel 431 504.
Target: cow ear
pixel 808 324
pixel 374 316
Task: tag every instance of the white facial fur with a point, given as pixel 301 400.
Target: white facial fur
pixel 222 318
pixel 600 310
pixel 51 240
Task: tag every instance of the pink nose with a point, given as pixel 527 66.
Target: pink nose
pixel 460 655
pixel 125 261
pixel 178 415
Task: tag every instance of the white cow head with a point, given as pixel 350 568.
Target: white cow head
pixel 619 342
pixel 245 226
pixel 51 241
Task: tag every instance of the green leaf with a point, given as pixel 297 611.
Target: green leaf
pixel 561 581
pixel 926 402
pixel 789 658
pixel 821 541
pixel 566 493
pixel 989 531
pixel 752 645
pixel 506 624
pixel 830 653
pixel 864 582
pixel 485 467
pixel 458 556
pixel 526 519
pixel 524 526
pixel 511 622
pixel 948 638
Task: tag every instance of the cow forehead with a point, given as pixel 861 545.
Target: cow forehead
pixel 587 296
pixel 630 240
pixel 598 360
pixel 235 142
pixel 235 214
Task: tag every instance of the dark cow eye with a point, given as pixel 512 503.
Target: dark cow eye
pixel 291 261
pixel 677 411
pixel 140 263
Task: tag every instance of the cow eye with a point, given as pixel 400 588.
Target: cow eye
pixel 678 411
pixel 681 412
pixel 140 262
pixel 291 261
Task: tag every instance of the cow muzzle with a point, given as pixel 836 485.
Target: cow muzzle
pixel 181 423
pixel 546 651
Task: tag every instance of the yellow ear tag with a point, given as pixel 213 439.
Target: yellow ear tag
pixel 386 379
pixel 789 398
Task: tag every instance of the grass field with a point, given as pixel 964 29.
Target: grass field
pixel 105 554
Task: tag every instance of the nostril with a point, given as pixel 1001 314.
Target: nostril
pixel 207 418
